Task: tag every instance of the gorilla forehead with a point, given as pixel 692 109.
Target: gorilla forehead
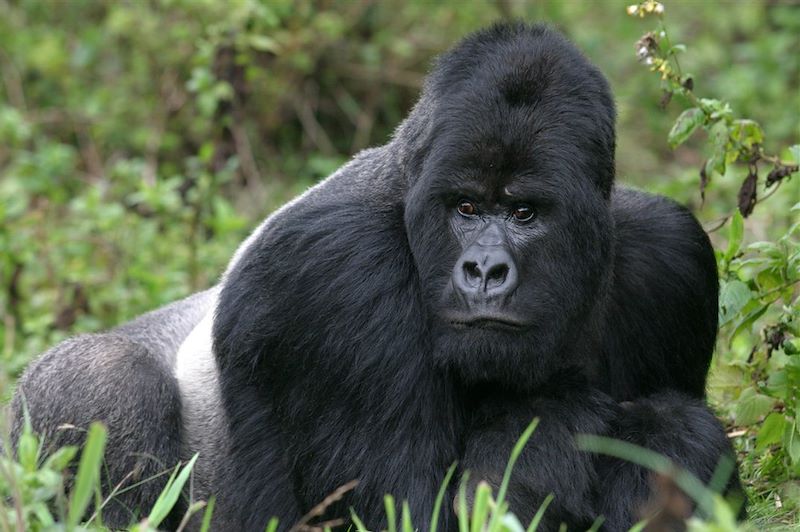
pixel 506 149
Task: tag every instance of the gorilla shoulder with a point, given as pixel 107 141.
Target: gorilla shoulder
pixel 662 315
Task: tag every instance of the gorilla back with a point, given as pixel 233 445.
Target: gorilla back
pixel 419 307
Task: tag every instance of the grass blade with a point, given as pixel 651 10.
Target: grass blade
pixel 407 525
pixel 170 494
pixel 272 525
pixel 88 473
pixel 597 524
pixel 635 454
pixel 540 513
pixel 463 511
pixel 437 507
pixel 480 508
pixel 391 513
pixel 358 522
pixel 206 524
pixel 515 452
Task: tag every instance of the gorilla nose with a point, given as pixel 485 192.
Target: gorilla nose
pixel 486 271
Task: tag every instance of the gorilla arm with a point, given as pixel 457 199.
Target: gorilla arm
pixel 124 378
pixel 550 462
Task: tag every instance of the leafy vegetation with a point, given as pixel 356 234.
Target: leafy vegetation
pixel 760 282
pixel 139 141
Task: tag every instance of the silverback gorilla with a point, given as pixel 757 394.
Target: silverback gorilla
pixel 418 308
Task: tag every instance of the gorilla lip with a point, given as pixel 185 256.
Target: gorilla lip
pixel 487 322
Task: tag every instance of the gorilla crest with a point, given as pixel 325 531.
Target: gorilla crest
pixel 418 308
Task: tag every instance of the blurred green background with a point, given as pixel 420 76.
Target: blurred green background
pixel 140 141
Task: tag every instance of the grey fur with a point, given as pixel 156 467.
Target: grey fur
pixel 124 378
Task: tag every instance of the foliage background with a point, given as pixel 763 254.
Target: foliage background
pixel 141 140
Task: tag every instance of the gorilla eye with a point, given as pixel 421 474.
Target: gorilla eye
pixel 467 208
pixel 523 213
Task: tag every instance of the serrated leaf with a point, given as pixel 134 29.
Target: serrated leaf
pixel 685 125
pixel 771 431
pixel 752 406
pixel 778 384
pixel 719 136
pixel 769 279
pixel 747 132
pixel 733 296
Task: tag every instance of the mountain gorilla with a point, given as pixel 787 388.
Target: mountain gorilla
pixel 419 307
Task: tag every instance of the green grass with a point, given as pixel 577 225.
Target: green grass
pixel 33 496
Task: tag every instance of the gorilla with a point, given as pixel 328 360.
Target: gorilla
pixel 419 307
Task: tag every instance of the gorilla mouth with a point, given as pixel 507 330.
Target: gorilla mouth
pixel 487 322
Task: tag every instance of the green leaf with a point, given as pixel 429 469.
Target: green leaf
pixel 795 151
pixel 771 431
pixel 749 319
pixel 752 406
pixel 791 442
pixel 28 449
pixel 747 132
pixel 778 384
pixel 792 347
pixel 59 460
pixel 719 136
pixel 685 125
pixel 733 296
pixel 768 280
pixel 735 235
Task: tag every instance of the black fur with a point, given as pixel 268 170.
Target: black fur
pixel 356 336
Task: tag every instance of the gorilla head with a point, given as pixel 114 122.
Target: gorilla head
pixel 507 212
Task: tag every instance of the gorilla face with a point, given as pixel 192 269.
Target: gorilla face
pixel 510 232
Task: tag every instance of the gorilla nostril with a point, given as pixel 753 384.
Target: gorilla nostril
pixel 472 272
pixel 497 275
